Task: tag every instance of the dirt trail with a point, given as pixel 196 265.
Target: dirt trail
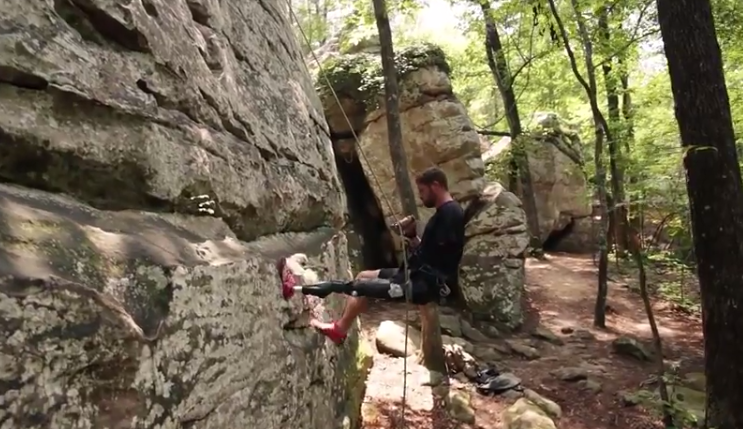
pixel 560 296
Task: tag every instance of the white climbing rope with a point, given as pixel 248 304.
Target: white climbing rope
pixel 359 149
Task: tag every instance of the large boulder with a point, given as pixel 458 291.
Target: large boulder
pixel 124 302
pixel 492 270
pixel 436 128
pixel 436 132
pixel 560 188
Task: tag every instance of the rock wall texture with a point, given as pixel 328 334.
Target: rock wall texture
pixel 436 132
pixel 159 101
pixel 157 157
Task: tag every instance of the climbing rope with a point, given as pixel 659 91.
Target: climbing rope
pixel 387 201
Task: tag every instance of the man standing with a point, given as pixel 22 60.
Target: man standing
pixel 433 263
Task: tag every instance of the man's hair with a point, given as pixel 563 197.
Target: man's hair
pixel 433 175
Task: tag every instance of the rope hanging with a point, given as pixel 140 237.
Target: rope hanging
pixel 388 202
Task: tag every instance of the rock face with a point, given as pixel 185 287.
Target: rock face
pixel 436 132
pixel 562 195
pixel 163 102
pixel 124 302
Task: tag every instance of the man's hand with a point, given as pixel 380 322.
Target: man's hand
pixel 412 242
pixel 407 226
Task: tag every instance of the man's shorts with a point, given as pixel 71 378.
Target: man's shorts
pixel 422 292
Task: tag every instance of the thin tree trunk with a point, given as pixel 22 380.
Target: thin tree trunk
pixel 713 181
pixel 502 76
pixel 635 249
pixel 618 210
pixel 599 312
pixel 601 129
pixel 432 345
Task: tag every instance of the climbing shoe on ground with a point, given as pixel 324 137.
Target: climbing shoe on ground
pixel 499 384
pixel 330 330
pixel 287 278
pixel 484 375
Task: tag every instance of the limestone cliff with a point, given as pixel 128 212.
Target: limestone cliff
pixel 436 132
pixel 157 157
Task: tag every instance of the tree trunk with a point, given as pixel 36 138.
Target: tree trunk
pixel 601 130
pixel 502 76
pixel 635 249
pixel 619 234
pixel 392 105
pixel 599 312
pixel 713 183
pixel 433 351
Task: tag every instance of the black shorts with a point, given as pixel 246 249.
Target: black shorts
pixel 423 292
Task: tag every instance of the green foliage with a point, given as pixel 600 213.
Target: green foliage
pixel 544 80
pixel 359 76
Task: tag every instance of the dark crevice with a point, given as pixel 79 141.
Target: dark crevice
pixel 199 12
pixel 554 240
pixel 88 19
pixel 150 8
pixel 22 79
pixel 35 164
pixel 367 216
pixel 164 102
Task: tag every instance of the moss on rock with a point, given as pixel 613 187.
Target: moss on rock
pixel 360 76
pixel 356 376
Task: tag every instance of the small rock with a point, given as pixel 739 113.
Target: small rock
pixel 491 331
pixel 630 347
pixel 502 348
pixel 570 373
pixel 584 335
pixel 512 395
pixel 391 339
pixel 524 350
pixel 524 414
pixel 547 405
pixel 543 333
pixel 458 405
pixel 450 324
pixel 472 333
pixel 461 342
pixel 487 354
pixel 590 385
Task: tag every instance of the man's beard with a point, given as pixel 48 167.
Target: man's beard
pixel 430 203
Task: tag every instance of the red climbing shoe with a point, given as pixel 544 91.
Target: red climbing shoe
pixel 287 279
pixel 330 330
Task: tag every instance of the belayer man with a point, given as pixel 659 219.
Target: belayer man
pixel 433 263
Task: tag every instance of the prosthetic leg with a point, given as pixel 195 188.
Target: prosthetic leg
pixel 372 288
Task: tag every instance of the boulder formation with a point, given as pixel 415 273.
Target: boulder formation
pixel 156 158
pixel 436 132
pixel 561 191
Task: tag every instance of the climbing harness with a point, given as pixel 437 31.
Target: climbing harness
pixel 387 201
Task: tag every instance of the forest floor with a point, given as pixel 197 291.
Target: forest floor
pixel 560 296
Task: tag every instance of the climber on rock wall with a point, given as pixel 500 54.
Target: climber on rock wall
pixel 433 262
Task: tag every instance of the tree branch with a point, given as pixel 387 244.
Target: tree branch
pixel 568 49
pixel 494 133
